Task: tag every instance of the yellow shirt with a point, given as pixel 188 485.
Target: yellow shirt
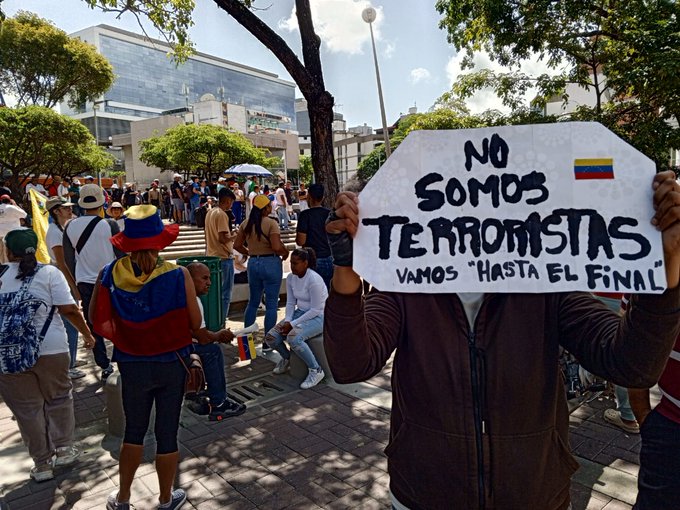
pixel 217 221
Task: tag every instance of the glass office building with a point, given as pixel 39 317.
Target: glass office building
pixel 148 83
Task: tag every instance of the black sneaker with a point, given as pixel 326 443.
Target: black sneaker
pixel 226 409
pixel 106 373
pixel 200 406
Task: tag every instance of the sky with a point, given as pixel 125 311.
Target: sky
pixel 417 64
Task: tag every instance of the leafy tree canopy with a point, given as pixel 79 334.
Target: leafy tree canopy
pixel 35 140
pixel 40 64
pixel 627 54
pixel 306 170
pixel 202 150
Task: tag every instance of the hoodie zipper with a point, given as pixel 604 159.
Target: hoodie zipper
pixel 479 422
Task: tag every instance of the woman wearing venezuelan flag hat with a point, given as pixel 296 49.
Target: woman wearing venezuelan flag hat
pixel 147 307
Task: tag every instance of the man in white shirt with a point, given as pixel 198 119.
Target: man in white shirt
pixel 87 246
pixel 282 207
pixel 206 345
pixel 10 216
pixel 35 184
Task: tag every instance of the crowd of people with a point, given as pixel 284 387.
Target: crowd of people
pixel 107 282
pixel 455 419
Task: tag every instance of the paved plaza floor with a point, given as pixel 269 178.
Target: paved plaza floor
pixel 293 449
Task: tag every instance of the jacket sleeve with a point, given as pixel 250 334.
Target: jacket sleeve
pixel 360 334
pixel 631 350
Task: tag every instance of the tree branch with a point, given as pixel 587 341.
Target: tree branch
pixel 310 41
pixel 269 38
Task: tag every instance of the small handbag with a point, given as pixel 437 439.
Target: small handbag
pixel 195 381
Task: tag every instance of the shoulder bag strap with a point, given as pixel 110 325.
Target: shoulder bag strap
pixel 46 326
pixel 85 236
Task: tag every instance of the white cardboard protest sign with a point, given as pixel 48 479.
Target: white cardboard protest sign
pixel 540 208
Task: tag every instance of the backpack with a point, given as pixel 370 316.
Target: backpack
pixel 19 342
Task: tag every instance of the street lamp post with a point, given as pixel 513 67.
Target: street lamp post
pixel 369 15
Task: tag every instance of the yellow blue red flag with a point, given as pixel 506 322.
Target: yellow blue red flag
pixel 596 168
pixel 246 347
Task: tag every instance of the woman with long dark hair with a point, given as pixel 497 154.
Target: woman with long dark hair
pixel 305 299
pixel 147 307
pixel 260 239
pixel 38 391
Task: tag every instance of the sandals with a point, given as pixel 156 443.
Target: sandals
pixel 614 417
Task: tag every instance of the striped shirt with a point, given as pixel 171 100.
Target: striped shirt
pixel 669 383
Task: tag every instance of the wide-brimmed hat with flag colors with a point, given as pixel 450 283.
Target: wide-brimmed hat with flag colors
pixel 144 230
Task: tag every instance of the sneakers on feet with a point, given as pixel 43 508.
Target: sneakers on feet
pixel 314 377
pixel 614 417
pixel 226 409
pixel 42 473
pixel 179 497
pixel 74 373
pixel 66 455
pixel 112 503
pixel 282 366
pixel 106 373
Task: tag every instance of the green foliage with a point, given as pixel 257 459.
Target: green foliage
pixel 635 45
pixel 40 64
pixel 171 17
pixel 306 170
pixel 35 140
pixel 201 150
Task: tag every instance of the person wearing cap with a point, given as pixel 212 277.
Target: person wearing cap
pixel 177 198
pixel 194 199
pixel 40 397
pixel 220 184
pixel 116 212
pixel 10 216
pixel 74 196
pixel 62 190
pixel 60 211
pixel 53 188
pixel 147 307
pixel 260 239
pixel 87 249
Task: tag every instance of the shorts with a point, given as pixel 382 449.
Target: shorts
pixel 178 203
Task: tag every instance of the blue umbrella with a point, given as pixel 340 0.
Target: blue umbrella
pixel 248 169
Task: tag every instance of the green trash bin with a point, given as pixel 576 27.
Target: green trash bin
pixel 212 301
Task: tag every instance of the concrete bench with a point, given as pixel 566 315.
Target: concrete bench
pixel 298 368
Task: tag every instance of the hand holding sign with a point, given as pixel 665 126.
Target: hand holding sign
pixel 667 220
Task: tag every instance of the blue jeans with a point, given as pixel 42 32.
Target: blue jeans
pixel 264 275
pixel 72 335
pixel 324 266
pixel 282 213
pixel 213 366
pixel 297 338
pixel 237 209
pixel 659 477
pixel 227 286
pixel 623 403
pixel 193 205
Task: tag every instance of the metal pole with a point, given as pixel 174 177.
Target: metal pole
pixel 95 107
pixel 386 136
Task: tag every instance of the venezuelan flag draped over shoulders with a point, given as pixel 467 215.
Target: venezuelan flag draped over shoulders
pixel 143 315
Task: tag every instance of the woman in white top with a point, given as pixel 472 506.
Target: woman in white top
pixel 40 396
pixel 306 297
pixel 61 212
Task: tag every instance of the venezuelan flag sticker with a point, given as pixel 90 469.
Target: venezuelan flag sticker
pixel 246 347
pixel 602 168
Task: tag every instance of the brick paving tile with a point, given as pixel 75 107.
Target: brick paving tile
pixel 255 493
pixel 600 432
pixel 575 440
pixel 627 441
pixel 317 494
pixel 590 448
pixel 216 504
pixel 582 498
pixel 356 499
pixel 378 488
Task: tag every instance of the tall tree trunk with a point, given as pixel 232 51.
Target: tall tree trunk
pixel 323 159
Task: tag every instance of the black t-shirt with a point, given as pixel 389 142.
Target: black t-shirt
pixel 176 190
pixel 313 223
